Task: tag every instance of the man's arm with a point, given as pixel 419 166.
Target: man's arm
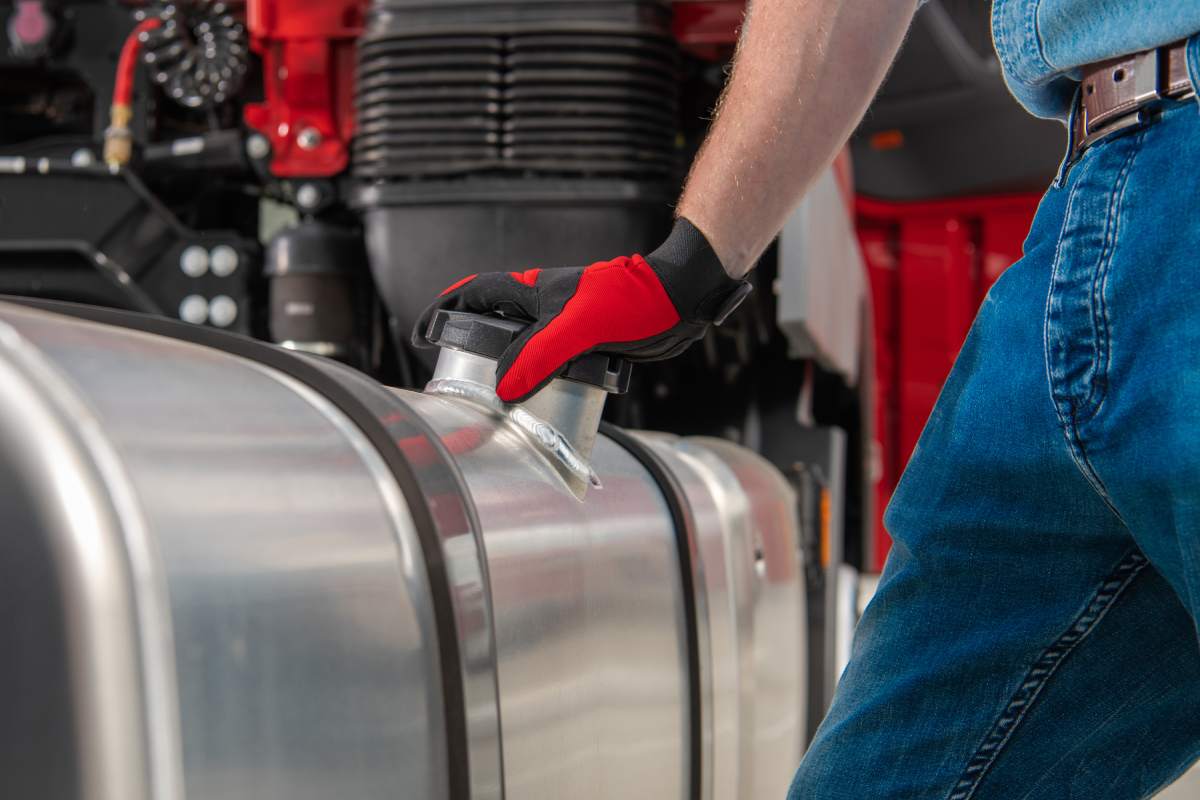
pixel 804 74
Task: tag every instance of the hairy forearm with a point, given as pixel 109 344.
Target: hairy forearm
pixel 803 76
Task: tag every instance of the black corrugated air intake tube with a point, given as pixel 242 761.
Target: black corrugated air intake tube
pixel 506 135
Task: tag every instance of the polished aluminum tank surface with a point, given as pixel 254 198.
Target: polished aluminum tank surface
pixel 238 572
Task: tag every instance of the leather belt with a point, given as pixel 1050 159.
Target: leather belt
pixel 1114 93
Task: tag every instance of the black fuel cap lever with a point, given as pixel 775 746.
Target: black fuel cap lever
pixel 490 336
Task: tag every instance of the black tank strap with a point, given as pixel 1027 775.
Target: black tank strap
pixel 685 538
pixel 306 371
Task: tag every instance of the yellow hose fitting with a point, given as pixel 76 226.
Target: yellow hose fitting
pixel 118 139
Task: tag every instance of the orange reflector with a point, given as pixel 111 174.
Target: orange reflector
pixel 887 140
pixel 826 512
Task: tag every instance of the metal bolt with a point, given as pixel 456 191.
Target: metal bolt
pixel 257 147
pixel 193 261
pixel 224 261
pixel 193 309
pixel 222 311
pixel 308 196
pixel 308 138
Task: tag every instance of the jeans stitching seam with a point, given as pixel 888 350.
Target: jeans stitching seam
pixel 1070 433
pixel 1080 457
pixel 1042 670
pixel 1008 58
pixel 1034 28
pixel 1054 270
pixel 1100 320
pixel 999 35
pixel 1030 26
pixel 1011 26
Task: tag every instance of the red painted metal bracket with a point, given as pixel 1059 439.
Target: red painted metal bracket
pixel 307 49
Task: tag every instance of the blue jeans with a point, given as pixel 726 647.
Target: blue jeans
pixel 1034 632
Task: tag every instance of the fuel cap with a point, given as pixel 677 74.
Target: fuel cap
pixel 490 336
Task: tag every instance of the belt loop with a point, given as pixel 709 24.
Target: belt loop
pixel 1193 63
pixel 1148 76
pixel 1074 126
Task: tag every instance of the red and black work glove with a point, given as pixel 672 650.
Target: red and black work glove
pixel 642 308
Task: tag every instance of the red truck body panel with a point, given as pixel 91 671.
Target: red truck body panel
pixel 930 265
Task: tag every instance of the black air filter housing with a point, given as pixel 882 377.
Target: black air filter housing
pixel 504 135
pixel 561 87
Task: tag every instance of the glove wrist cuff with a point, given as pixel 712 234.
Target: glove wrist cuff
pixel 693 276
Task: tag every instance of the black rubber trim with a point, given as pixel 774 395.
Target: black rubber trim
pixel 322 382
pixel 685 535
pixel 461 490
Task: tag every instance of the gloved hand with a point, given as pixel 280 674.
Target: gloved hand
pixel 642 308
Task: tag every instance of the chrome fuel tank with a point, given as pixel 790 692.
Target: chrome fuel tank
pixel 249 573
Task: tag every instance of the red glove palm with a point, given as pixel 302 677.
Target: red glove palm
pixel 643 308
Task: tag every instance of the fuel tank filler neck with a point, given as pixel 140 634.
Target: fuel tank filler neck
pixel 562 419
